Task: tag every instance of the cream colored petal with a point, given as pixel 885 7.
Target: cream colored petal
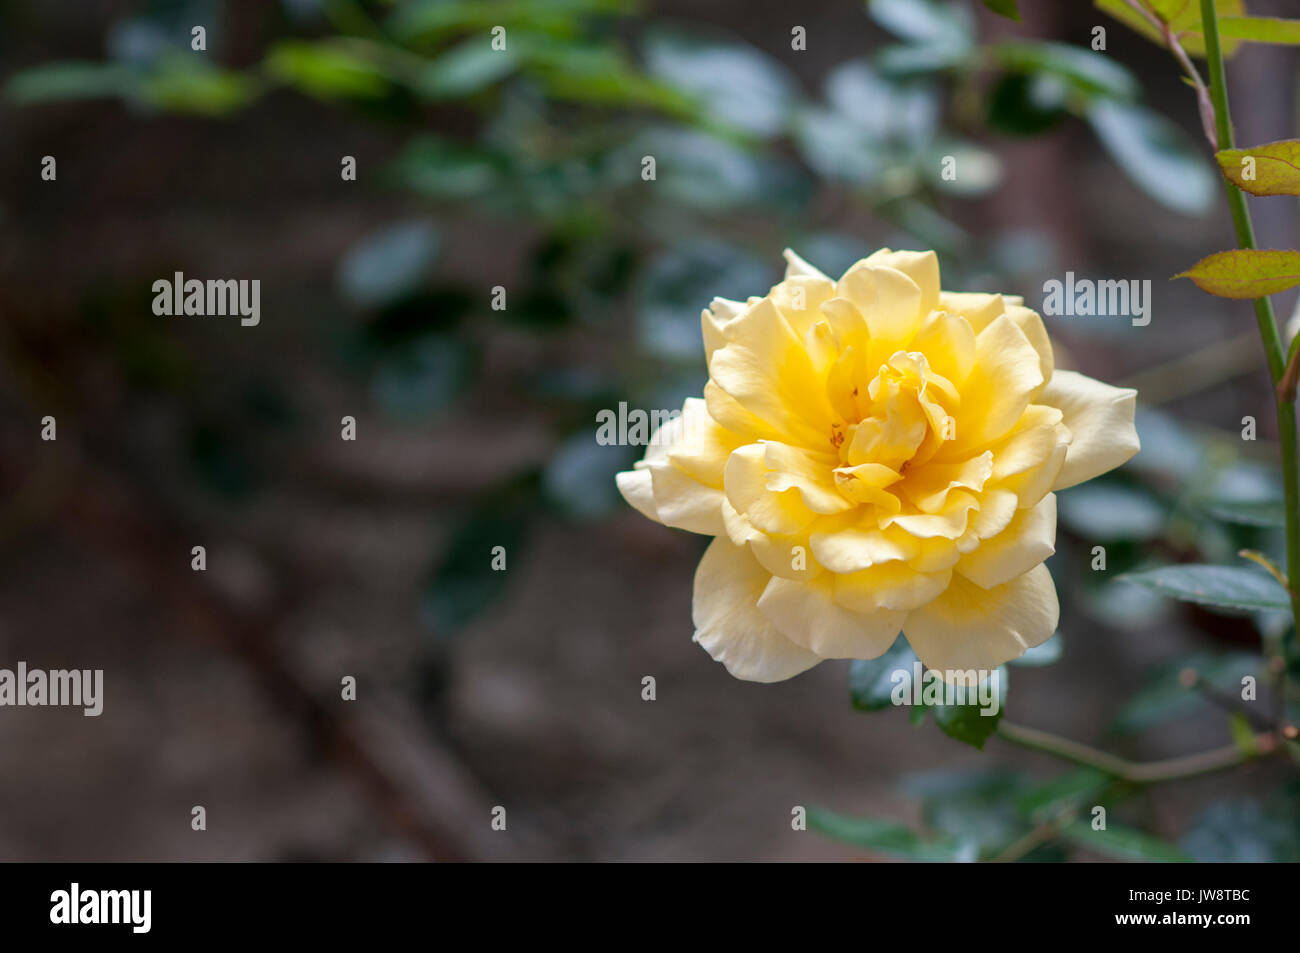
pixel 1030 486
pixel 972 628
pixel 950 522
pixel 996 511
pixel 921 266
pixel 766 369
pixel 703 446
pixel 1032 325
pixel 892 585
pixel 637 488
pixel 979 309
pixel 636 485
pixel 735 418
pixel 714 321
pixel 851 550
pixel 796 267
pixel 948 342
pixel 811 474
pixel 684 503
pixel 1100 418
pixel 1005 376
pixel 800 300
pixel 790 557
pixel 728 623
pixel 805 613
pixel 746 484
pixel 1031 444
pixel 1029 539
pixel 928 487
pixel 887 298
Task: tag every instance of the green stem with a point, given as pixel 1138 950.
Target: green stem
pixel 1264 317
pixel 1135 772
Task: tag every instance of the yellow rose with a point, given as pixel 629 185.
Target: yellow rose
pixel 875 455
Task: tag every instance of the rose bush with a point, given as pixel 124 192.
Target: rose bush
pixel 876 455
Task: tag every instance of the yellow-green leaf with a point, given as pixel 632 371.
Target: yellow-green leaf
pixel 1260 29
pixel 1246 273
pixel 1007 8
pixel 1270 169
pixel 1183 18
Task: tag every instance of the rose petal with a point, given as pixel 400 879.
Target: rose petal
pixel 972 628
pixel 1028 540
pixel 806 613
pixel 729 625
pixel 1100 418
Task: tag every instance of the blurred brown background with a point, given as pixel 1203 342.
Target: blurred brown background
pixel 329 558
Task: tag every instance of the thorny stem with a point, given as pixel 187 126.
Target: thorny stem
pixel 1264 317
pixel 1203 100
pixel 1218 127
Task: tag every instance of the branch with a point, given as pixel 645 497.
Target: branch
pixel 1136 772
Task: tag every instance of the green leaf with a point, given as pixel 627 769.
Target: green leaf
pixel 1090 73
pixel 603 75
pixel 430 20
pixel 888 837
pixel 1246 272
pixel 1006 8
pixel 1243 736
pixel 871 681
pixel 977 170
pixel 1183 17
pixel 326 70
pixel 1154 153
pixel 1261 29
pixel 837 149
pixel 1110 511
pixel 1226 587
pixel 389 263
pixel 677 285
pixel 890 113
pixel 973 723
pixel 1246 831
pixel 440 169
pixel 976 806
pixel 1266 513
pixel 700 170
pixel 464 583
pixel 1123 843
pixel 464 70
pixel 423 376
pixel 924 21
pixel 737 85
pixel 70 80
pixel 182 86
pixel 1026 105
pixel 939 36
pixel 1165 696
pixel 1065 792
pixel 1273 168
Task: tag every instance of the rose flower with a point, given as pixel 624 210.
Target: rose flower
pixel 875 455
